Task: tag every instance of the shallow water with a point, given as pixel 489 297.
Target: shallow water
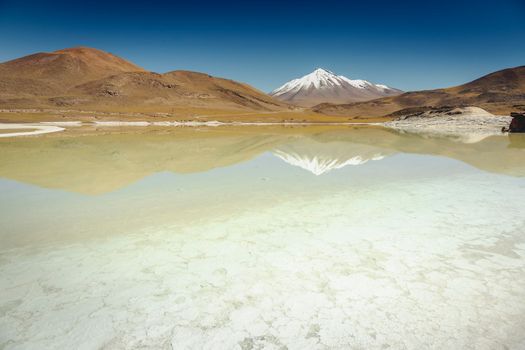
pixel 259 237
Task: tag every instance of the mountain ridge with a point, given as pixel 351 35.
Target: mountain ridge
pixel 90 78
pixel 498 92
pixel 87 79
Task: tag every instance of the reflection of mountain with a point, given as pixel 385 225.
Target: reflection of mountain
pixel 497 154
pixel 95 164
pixel 321 157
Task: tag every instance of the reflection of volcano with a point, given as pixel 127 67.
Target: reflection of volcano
pixel 319 166
pixel 321 157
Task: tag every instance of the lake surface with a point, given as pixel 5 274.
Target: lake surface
pixel 261 238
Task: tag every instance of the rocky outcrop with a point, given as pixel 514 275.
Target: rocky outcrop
pixel 428 112
pixel 472 124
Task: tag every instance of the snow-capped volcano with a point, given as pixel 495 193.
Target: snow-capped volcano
pixel 324 86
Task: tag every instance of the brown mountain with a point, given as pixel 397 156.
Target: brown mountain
pixel 499 92
pixel 96 80
pixel 58 71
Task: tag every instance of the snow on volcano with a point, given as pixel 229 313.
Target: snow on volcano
pixel 323 86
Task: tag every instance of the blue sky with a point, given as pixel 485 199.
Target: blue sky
pixel 411 45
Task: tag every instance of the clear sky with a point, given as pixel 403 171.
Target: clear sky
pixel 411 45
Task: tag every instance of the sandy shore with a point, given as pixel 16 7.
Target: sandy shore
pixel 215 123
pixel 34 129
pixel 54 126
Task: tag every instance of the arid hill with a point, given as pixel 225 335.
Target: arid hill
pixel 86 78
pixel 499 93
pixel 54 73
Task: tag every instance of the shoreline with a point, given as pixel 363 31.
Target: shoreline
pixel 57 126
pixel 471 123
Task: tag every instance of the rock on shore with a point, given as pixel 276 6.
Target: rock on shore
pixel 518 123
